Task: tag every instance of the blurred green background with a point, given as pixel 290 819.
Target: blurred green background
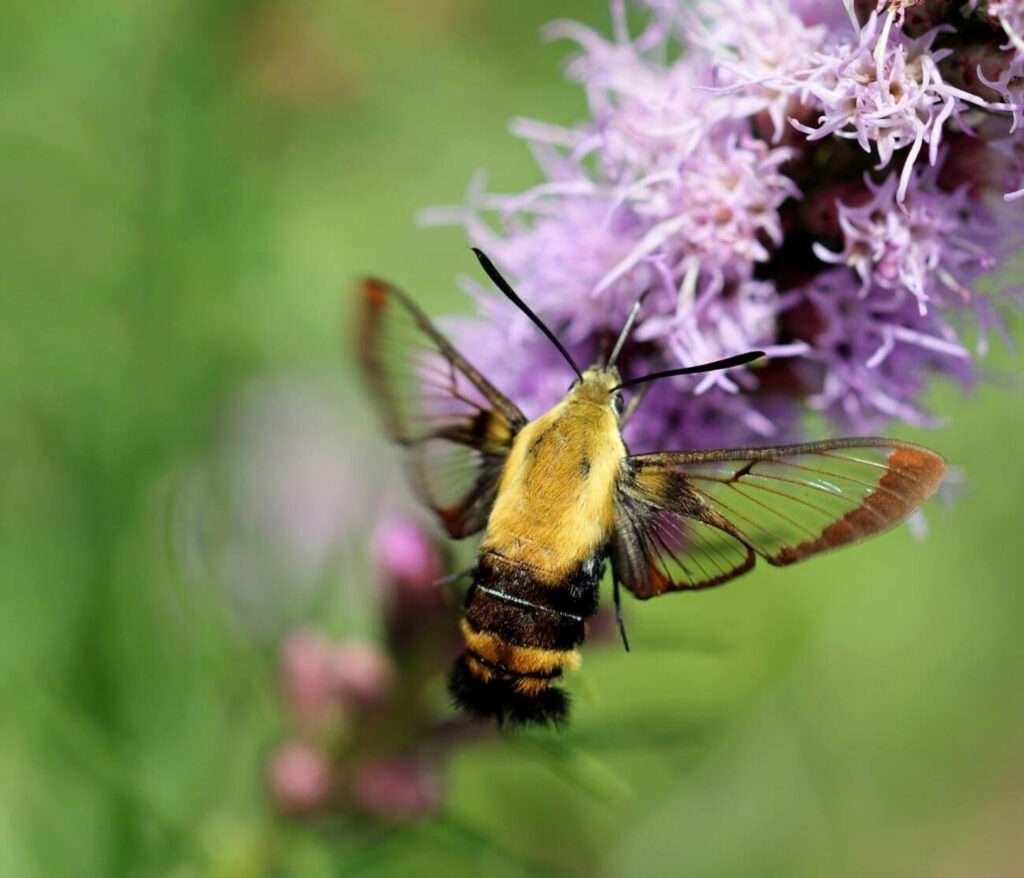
pixel 189 188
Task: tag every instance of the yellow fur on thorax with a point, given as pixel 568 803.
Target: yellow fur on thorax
pixel 554 507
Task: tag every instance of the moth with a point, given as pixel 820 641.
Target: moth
pixel 560 497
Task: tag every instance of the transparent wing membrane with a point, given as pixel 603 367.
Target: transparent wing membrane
pixel 456 426
pixel 783 503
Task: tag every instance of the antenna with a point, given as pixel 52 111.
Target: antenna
pixel 626 329
pixel 727 363
pixel 504 286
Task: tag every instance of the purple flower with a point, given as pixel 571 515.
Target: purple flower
pixel 1010 16
pixel 665 191
pixel 760 49
pixel 885 90
pixel 872 351
pixel 931 246
pixel 834 15
pixel 822 184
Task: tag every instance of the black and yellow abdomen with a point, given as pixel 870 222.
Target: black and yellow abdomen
pixel 541 560
pixel 521 633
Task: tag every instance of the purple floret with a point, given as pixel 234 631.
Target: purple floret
pixel 825 185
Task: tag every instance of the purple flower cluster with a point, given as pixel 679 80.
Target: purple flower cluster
pixel 1010 16
pixel 367 734
pixel 822 181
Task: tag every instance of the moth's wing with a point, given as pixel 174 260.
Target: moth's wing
pixel 456 426
pixel 696 519
pixel 666 540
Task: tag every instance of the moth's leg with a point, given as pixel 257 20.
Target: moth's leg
pixel 454 578
pixel 450 585
pixel 631 407
pixel 618 612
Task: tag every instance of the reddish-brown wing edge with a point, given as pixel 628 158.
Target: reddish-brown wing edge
pixel 911 476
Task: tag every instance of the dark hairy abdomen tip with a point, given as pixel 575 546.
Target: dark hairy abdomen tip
pixel 497 699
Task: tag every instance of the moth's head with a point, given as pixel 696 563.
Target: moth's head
pixel 599 385
pixel 602 384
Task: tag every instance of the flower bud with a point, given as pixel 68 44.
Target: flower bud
pixel 405 554
pixel 396 788
pixel 307 675
pixel 299 777
pixel 361 674
pixel 410 564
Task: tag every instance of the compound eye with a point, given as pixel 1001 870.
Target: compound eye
pixel 618 405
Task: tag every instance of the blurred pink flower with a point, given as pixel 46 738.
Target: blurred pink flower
pixel 352 700
pixel 361 675
pixel 299 777
pixel 404 553
pixel 308 675
pixel 397 788
pixel 321 680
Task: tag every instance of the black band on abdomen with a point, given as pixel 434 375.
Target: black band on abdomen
pixel 509 601
pixel 532 626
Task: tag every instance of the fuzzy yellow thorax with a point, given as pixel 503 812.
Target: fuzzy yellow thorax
pixel 555 503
